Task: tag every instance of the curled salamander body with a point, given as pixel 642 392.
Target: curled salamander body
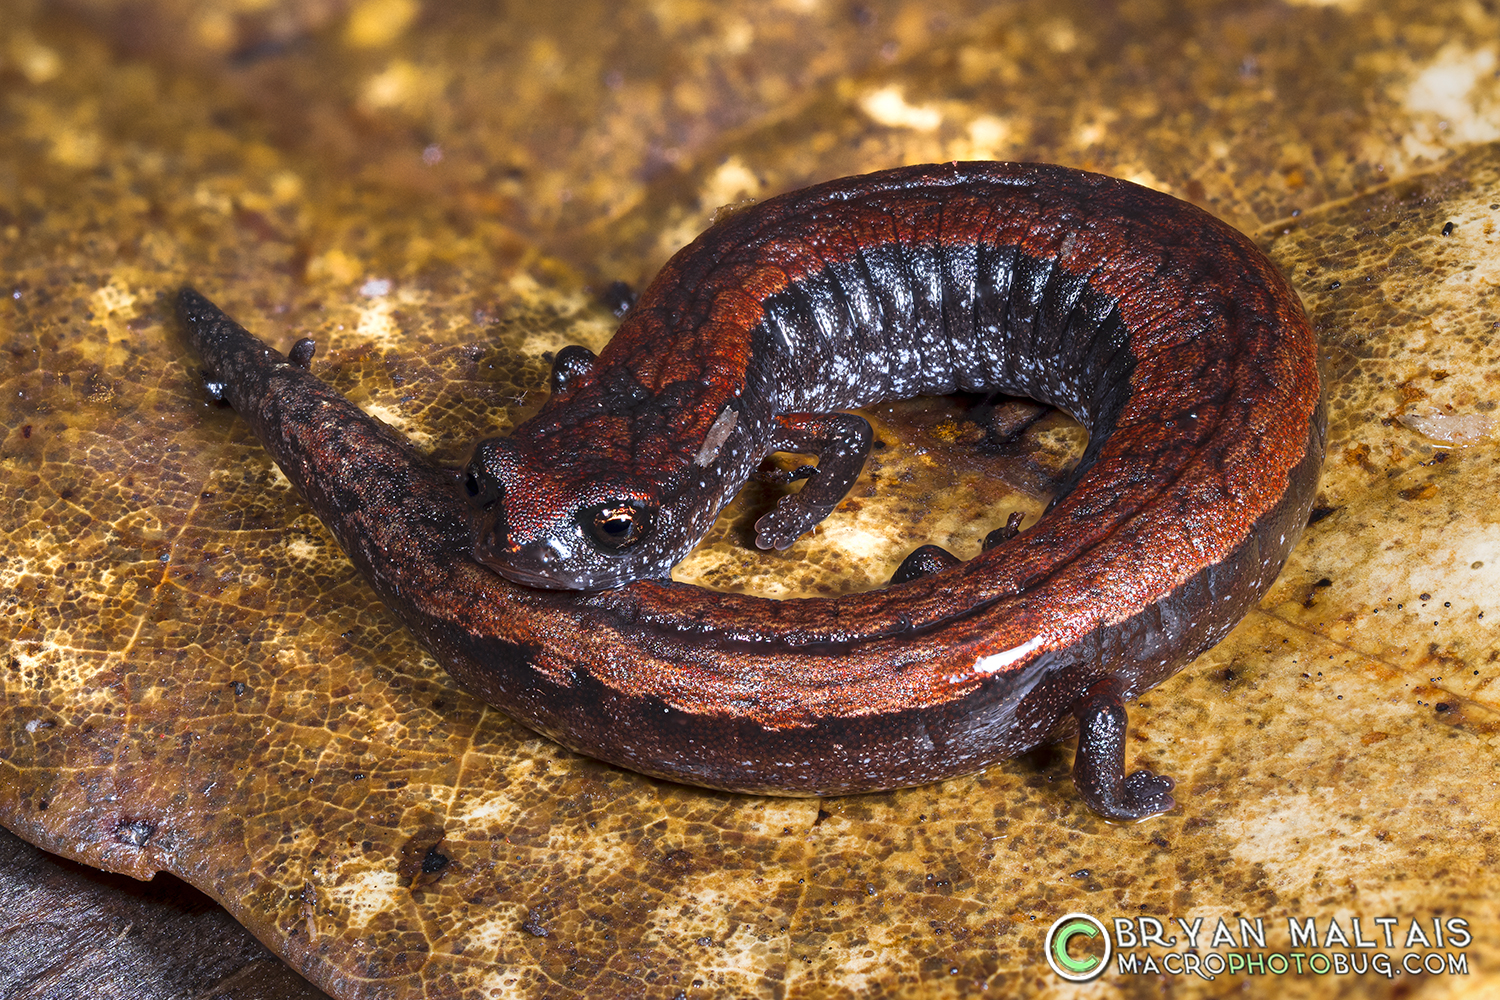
pixel 538 576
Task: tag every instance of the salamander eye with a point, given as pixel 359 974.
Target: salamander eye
pixel 618 524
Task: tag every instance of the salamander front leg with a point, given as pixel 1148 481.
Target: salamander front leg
pixel 1099 766
pixel 841 441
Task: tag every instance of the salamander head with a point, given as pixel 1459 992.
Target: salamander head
pixel 543 528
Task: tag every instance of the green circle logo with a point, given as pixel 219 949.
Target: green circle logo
pixel 1078 947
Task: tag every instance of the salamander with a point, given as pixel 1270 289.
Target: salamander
pixel 538 575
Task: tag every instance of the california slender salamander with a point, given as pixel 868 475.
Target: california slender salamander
pixel 1165 332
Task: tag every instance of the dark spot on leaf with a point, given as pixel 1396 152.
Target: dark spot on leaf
pixel 533 923
pixel 134 832
pixel 417 861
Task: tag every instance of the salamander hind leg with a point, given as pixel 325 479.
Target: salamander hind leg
pixel 924 561
pixel 1099 767
pixel 929 559
pixel 841 441
pixel 1011 529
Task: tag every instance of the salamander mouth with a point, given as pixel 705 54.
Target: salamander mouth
pixel 539 580
pixel 546 565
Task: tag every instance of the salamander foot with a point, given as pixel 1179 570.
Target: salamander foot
pixel 1099 766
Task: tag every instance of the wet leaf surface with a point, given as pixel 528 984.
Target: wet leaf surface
pixel 196 682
